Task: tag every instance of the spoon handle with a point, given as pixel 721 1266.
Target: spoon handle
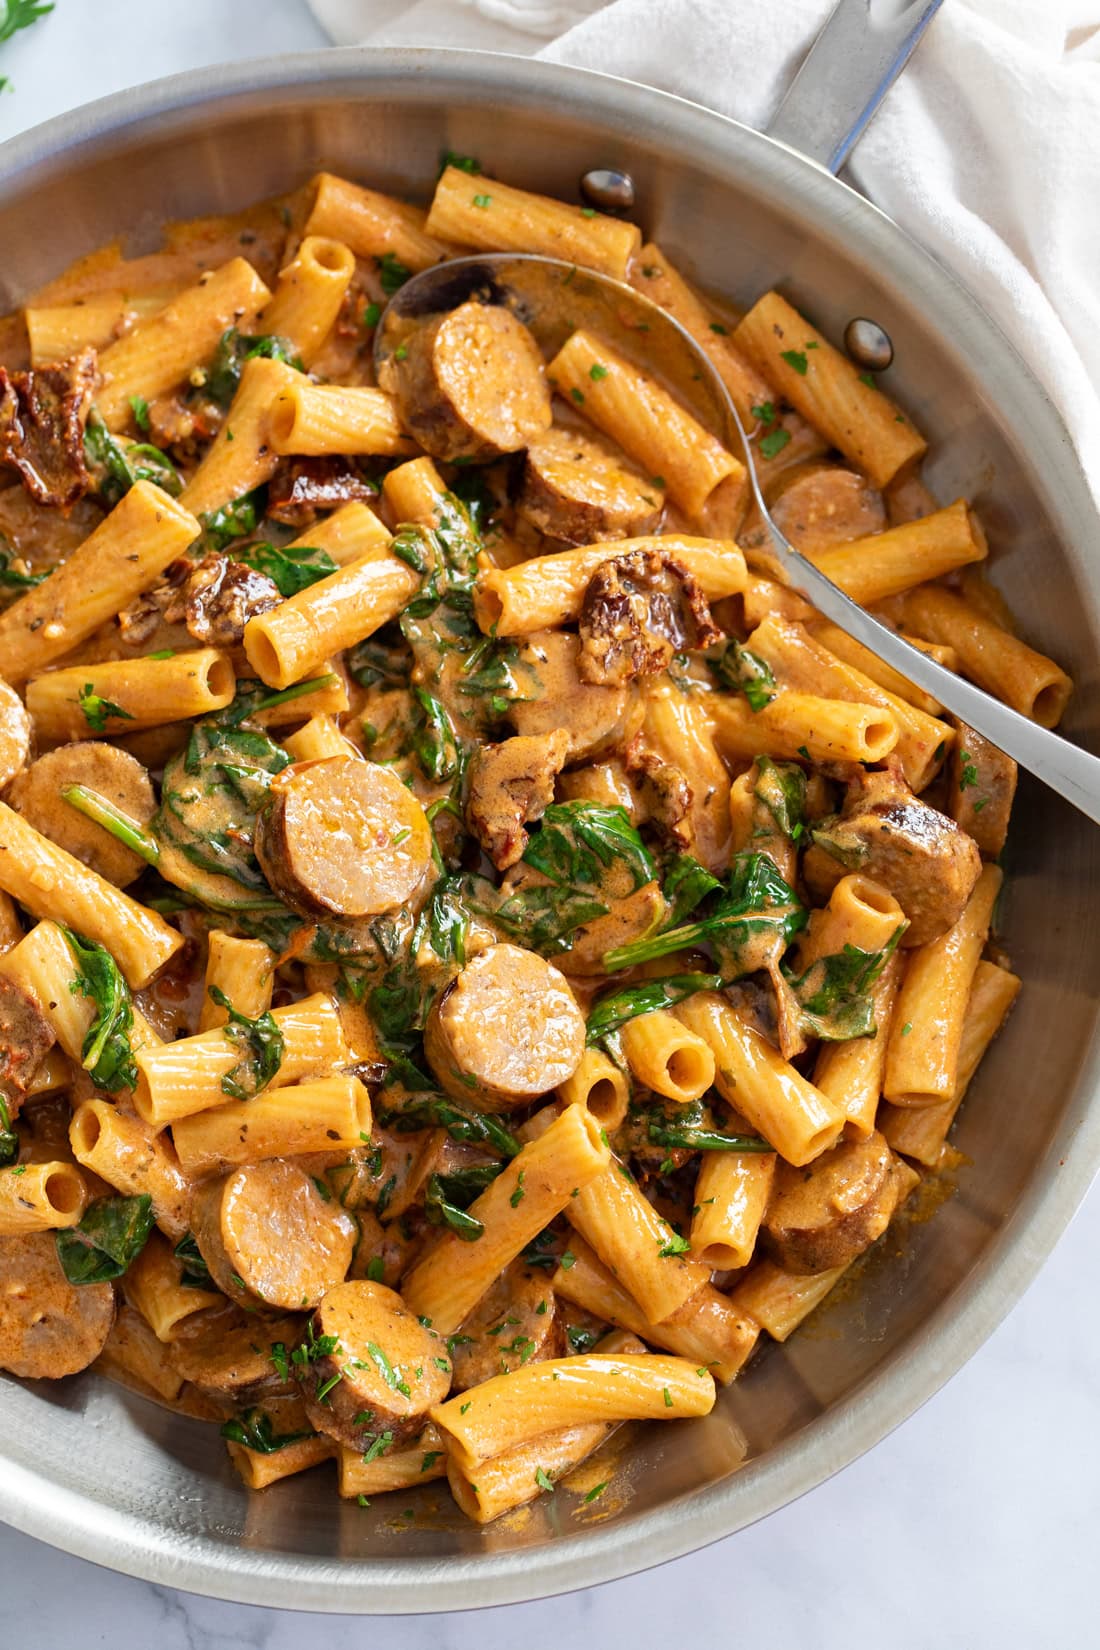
pixel 849 69
pixel 1067 769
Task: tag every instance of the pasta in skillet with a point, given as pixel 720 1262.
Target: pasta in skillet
pixel 477 955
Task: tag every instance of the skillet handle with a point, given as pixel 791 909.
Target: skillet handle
pixel 850 67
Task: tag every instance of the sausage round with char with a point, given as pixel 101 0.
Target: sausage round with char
pixel 368 1368
pixel 929 864
pixel 829 1212
pixel 342 836
pixel 505 1031
pixel 48 1328
pixel 114 774
pixel 472 385
pixel 266 1230
pixel 577 490
pixel 516 1322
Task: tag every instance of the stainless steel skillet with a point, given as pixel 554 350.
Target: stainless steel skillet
pixel 119 1481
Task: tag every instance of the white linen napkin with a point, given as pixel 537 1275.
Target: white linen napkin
pixel 986 150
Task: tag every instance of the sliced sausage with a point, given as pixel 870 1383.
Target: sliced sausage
pixel 817 505
pixel 638 612
pixel 343 836
pixel 48 1328
pixel 231 1355
pixel 929 865
pixel 472 385
pixel 505 1031
pixel 368 1367
pixel 114 774
pixel 516 1322
pixel 267 1232
pixel 577 490
pixel 511 785
pixel 25 1037
pixel 982 787
pixel 598 719
pixel 15 734
pixel 829 1212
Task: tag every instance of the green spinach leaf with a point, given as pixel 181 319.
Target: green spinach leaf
pixel 255 1429
pixel 645 997
pixel 108 1240
pixel 106 1053
pixel 235 348
pixel 263 1046
pixel 738 668
pixel 290 569
pixel 758 906
pixel 834 995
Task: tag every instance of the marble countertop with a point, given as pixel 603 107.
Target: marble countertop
pixel 974 1525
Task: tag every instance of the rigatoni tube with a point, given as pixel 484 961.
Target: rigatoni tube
pixel 922 1056
pixel 509 1410
pixel 289 643
pixel 794 1117
pixel 127 552
pixel 125 695
pixel 41 1197
pixel 535 1187
pixel 161 351
pixel 308 297
pixel 493 217
pixel 331 1114
pixel 52 884
pixel 177 1079
pixel 648 423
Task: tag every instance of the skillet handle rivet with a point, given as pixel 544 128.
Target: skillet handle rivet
pixel 607 189
pixel 868 344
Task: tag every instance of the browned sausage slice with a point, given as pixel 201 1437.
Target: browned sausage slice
pixel 115 774
pixel 983 784
pixel 827 1213
pixel 343 836
pixel 472 385
pixel 48 1328
pixel 929 865
pixel 577 490
pixel 598 719
pixel 368 1368
pixel 25 1036
pixel 818 505
pixel 15 733
pixel 511 785
pixel 507 1030
pixel 517 1322
pixel 242 1358
pixel 266 1231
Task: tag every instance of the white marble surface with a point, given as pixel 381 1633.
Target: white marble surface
pixel 973 1526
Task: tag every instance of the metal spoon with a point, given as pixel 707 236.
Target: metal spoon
pixel 554 298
